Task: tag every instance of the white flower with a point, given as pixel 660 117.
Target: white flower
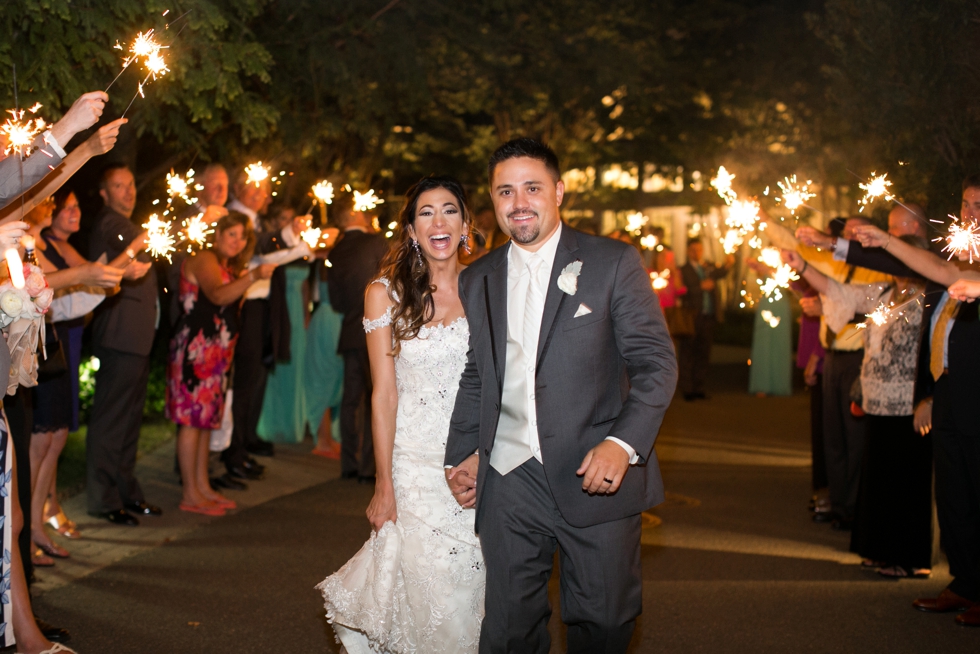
pixel 568 279
pixel 11 303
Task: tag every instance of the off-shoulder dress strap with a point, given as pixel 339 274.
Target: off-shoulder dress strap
pixel 385 319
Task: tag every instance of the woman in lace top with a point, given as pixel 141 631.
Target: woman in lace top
pixel 892 526
pixel 417 585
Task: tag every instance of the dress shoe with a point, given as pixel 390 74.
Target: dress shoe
pixel 971 618
pixel 119 517
pixel 348 475
pixel 228 482
pixel 261 448
pixel 253 465
pixel 366 479
pixel 840 524
pixel 52 633
pixel 142 508
pixel 240 472
pixel 946 602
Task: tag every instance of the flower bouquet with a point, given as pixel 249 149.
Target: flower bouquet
pixel 21 316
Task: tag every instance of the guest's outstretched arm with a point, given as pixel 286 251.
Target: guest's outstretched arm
pixel 813 277
pixel 384 405
pixel 921 261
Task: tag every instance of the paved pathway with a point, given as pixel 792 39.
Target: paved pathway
pixel 731 561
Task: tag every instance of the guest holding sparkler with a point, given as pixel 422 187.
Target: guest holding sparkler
pixel 211 284
pixel 123 332
pixel 892 528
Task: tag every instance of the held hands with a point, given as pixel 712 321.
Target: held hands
pixel 462 481
pixel 812 237
pixel 382 506
pixel 84 113
pixel 870 236
pixel 105 139
pixel 604 467
pixel 11 233
pixel 965 290
pixel 922 419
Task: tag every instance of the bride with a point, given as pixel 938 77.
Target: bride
pixel 417 584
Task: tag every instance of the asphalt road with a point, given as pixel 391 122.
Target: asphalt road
pixel 731 562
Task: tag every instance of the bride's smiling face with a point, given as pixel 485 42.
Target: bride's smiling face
pixel 438 224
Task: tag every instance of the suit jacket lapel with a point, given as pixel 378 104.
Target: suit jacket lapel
pixel 555 297
pixel 496 301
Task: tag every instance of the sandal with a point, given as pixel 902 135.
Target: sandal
pixel 224 503
pixel 899 572
pixel 58 647
pixel 41 560
pixel 327 454
pixel 203 509
pixel 868 563
pixel 53 550
pixel 61 524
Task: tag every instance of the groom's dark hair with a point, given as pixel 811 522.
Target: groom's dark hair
pixel 525 147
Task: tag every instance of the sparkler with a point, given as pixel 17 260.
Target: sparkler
pixel 195 231
pixel 722 182
pixel 21 133
pixel 256 173
pixel 144 47
pixel 635 222
pixel 772 320
pixel 743 215
pixel 877 187
pixel 781 278
pixel 180 187
pixel 323 192
pixel 366 201
pixel 311 235
pixel 649 242
pixel 659 280
pixel 795 195
pixel 732 241
pixel 962 239
pixel 159 240
pixel 770 257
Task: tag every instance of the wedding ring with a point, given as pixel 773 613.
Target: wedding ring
pixel 608 481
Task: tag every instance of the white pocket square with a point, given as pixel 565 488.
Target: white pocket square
pixel 583 310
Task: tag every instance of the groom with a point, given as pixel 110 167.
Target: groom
pixel 569 372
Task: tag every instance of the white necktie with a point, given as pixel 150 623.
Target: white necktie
pixel 533 307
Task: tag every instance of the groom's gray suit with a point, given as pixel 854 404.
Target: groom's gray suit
pixel 610 372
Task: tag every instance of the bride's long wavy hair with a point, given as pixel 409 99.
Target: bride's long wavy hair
pixel 406 267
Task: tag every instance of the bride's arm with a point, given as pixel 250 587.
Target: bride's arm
pixel 384 404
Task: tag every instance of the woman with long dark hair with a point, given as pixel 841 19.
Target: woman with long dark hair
pixel 422 567
pixel 211 284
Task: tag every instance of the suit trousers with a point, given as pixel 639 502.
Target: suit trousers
pixel 248 381
pixel 819 467
pixel 844 435
pixel 114 430
pixel 356 451
pixel 20 419
pixel 957 459
pixel 599 570
pixel 695 354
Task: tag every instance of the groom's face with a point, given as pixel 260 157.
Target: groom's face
pixel 526 198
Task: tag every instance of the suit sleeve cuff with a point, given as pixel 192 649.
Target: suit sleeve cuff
pixel 634 457
pixel 841 248
pixel 49 139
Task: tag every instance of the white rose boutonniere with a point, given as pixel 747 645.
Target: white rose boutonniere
pixel 568 279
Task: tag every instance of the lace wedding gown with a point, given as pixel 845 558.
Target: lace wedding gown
pixel 417 584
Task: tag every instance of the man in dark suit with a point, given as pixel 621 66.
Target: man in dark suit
pixel 122 337
pixel 947 386
pixel 569 373
pixel 354 262
pixel 701 280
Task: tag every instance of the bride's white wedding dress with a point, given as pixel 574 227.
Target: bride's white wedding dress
pixel 417 585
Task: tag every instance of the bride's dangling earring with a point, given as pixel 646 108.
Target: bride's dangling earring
pixel 464 242
pixel 418 251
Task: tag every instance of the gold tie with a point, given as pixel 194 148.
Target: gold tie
pixel 938 353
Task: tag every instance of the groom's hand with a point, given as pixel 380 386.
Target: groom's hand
pixel 462 481
pixel 604 467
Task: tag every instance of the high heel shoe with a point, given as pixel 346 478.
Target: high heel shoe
pixel 61 524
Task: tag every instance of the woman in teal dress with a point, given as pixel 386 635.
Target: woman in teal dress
pixel 771 372
pixel 324 374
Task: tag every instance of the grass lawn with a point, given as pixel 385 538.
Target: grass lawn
pixel 71 466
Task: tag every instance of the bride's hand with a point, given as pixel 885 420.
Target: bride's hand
pixel 382 506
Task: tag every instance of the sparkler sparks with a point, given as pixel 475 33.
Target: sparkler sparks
pixel 156 65
pixel 732 241
pixel 877 187
pixel 311 236
pixel 195 231
pixel 256 173
pixel 180 187
pixel 159 240
pixel 660 280
pixel 323 192
pixel 770 257
pixel 366 201
pixel 767 316
pixel 649 242
pixel 780 279
pixel 21 133
pixel 743 215
pixel 635 222
pixel 962 240
pixel 722 182
pixel 795 195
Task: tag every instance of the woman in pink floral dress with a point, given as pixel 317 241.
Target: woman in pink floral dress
pixel 211 284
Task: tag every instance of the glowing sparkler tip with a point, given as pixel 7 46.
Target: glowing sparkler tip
pixel 877 187
pixel 180 187
pixel 795 195
pixel 20 133
pixel 963 240
pixel 196 231
pixel 256 173
pixel 366 201
pixel 311 236
pixel 635 222
pixel 159 240
pixel 323 192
